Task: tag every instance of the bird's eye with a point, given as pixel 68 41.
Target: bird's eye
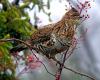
pixel 74 10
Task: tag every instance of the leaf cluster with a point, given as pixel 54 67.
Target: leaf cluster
pixel 14 23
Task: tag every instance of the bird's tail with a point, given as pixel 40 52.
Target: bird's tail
pixel 18 48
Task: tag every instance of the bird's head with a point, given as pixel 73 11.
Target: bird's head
pixel 72 17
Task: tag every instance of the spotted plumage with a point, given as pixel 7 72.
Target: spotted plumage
pixel 56 38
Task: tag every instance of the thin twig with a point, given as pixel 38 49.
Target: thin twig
pixel 71 49
pixel 46 69
pixel 73 70
pixel 76 72
pixel 42 63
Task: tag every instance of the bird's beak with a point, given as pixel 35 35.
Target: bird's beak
pixel 80 17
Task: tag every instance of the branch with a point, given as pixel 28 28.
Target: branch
pixel 73 70
pixel 76 72
pixel 46 68
pixel 61 66
pixel 14 39
pixel 42 64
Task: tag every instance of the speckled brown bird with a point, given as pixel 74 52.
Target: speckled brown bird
pixel 56 38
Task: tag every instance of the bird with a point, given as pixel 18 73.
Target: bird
pixel 57 37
